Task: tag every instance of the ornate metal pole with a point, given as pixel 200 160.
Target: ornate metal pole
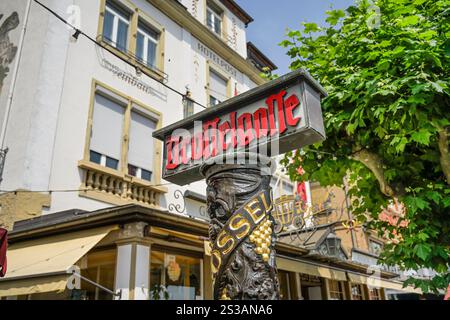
pixel 278 116
pixel 239 202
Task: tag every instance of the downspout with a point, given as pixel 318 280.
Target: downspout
pixel 14 75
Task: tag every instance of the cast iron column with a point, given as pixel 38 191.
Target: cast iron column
pixel 239 202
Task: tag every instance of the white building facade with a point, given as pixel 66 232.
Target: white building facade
pixel 77 113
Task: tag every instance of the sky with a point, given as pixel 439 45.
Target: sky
pixel 272 17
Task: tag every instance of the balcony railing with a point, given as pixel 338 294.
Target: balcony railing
pixel 127 54
pixel 111 186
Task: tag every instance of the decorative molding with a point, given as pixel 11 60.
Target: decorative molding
pixel 203 34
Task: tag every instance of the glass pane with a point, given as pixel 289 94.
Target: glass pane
pixel 140 47
pixel 98 267
pixel 356 292
pixel 217 26
pixel 146 175
pixel 209 19
pixel 157 290
pixel 118 10
pixel 174 277
pixel 213 101
pixel 95 157
pixel 132 170
pixel 108 26
pixel 283 278
pixel 288 188
pixel 148 31
pixel 188 108
pixel 151 54
pixel 122 35
pixel 112 163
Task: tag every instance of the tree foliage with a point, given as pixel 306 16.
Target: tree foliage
pixel 385 66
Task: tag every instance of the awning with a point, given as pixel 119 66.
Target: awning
pixel 181 235
pixel 33 285
pixel 40 265
pixel 310 269
pixel 380 283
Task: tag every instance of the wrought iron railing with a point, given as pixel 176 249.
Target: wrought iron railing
pixel 138 60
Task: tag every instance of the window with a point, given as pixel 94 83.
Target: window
pixel 283 278
pixel 336 290
pixel 106 132
pixel 116 24
pixel 218 88
pixel 188 107
pixel 375 247
pixel 140 151
pixel 98 266
pixel 137 36
pixel 374 294
pixel 175 277
pixel 288 188
pixel 146 45
pixel 214 18
pixel 110 143
pixel 357 292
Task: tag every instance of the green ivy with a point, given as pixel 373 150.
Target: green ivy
pixel 387 75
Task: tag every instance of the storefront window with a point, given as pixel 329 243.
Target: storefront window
pixel 97 266
pixel 374 293
pixel 336 290
pixel 283 278
pixel 175 277
pixel 357 292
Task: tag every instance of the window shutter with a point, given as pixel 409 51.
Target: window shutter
pixel 107 127
pixel 218 86
pixel 140 153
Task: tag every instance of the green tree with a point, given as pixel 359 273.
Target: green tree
pixel 385 65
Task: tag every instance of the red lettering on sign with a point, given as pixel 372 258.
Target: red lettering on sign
pixel 233 128
pixel 245 127
pixel 184 143
pixel 197 146
pixel 210 138
pixel 173 160
pixel 291 103
pixel 273 125
pixel 217 137
pixel 280 105
pixel 224 128
pixel 261 123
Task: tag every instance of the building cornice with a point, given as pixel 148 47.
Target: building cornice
pixel 238 11
pixel 252 49
pixel 181 16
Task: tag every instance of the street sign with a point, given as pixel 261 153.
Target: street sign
pixel 274 118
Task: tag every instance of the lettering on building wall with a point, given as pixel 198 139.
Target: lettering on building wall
pixel 213 57
pixel 129 78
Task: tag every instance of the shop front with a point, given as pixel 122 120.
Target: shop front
pixel 137 253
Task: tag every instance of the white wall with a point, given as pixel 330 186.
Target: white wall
pixel 48 123
pixel 30 131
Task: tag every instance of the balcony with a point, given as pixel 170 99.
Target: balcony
pixel 111 186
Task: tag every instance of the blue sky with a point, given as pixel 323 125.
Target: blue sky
pixel 272 17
